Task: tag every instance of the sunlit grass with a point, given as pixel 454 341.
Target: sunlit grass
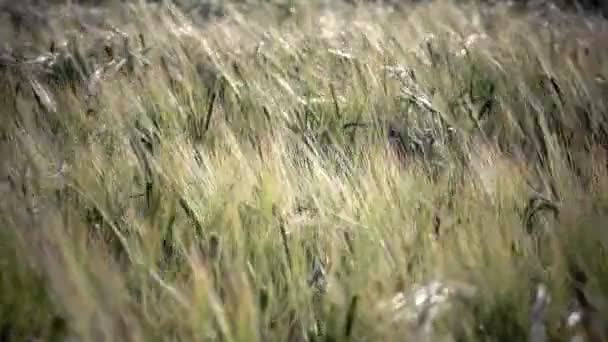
pixel 283 174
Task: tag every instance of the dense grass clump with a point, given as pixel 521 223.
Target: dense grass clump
pixel 304 172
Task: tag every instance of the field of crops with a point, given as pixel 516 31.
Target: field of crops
pixel 302 171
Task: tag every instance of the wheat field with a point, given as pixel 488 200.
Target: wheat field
pixel 303 171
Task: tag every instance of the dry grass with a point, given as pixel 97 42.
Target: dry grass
pixel 283 174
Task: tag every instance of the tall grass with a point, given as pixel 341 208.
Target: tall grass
pixel 282 174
